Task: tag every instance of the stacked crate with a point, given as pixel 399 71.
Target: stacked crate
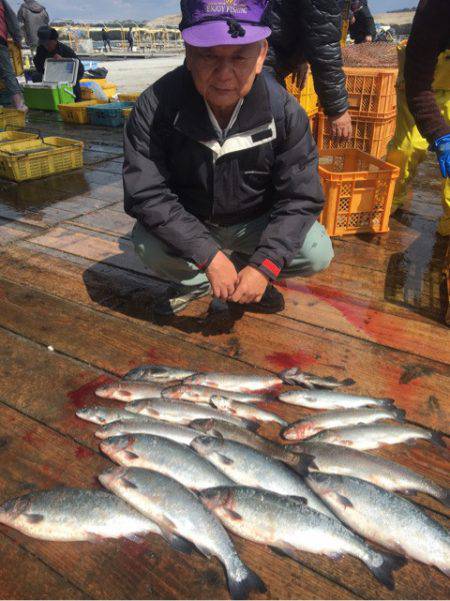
pixel 373 107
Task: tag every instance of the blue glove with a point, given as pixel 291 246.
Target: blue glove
pixel 442 148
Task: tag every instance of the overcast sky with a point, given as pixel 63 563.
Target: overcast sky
pixel 89 10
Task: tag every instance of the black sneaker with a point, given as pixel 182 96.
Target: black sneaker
pixel 271 302
pixel 178 297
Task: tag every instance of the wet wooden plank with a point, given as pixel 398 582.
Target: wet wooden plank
pixel 106 220
pixel 40 457
pixel 11 232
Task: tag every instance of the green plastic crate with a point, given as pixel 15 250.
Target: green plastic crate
pixel 48 97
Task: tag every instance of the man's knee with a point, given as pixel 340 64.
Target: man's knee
pixel 315 255
pixel 321 255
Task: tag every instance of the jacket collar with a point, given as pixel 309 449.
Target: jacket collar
pixel 193 119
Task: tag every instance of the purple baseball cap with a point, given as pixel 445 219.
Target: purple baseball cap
pixel 220 22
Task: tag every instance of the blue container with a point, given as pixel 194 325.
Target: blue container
pixel 108 115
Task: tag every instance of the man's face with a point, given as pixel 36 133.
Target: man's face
pixel 225 74
pixel 50 45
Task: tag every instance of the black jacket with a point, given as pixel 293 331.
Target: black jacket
pixel 178 177
pixel 42 54
pixel 363 26
pixel 310 30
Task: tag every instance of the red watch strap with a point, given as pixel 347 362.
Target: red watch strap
pixel 267 263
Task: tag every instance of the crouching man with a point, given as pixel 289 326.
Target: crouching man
pixel 220 168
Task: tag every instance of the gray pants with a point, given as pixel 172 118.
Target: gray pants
pixel 314 256
pixel 7 74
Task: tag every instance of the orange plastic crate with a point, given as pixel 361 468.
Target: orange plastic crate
pixel 306 97
pixel 370 134
pixel 371 91
pixel 358 190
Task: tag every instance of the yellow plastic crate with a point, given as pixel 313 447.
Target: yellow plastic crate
pixel 126 112
pixel 6 137
pixel 11 118
pixel 16 57
pixel 110 89
pixel 76 112
pixel 306 97
pixel 33 159
pixel 129 97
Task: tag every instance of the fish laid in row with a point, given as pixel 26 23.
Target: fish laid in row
pixel 128 391
pixel 203 394
pixel 297 377
pixel 328 399
pixel 146 425
pixel 159 374
pixel 245 411
pixel 178 511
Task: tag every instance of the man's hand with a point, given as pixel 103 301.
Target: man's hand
pixel 368 38
pixel 300 75
pixel 341 126
pixel 222 276
pixel 251 286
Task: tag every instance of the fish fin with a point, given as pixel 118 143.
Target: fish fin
pixel 250 425
pixel 305 462
pixel 444 498
pixel 242 584
pixel 387 402
pixel 127 483
pixel 135 538
pixel 34 518
pixel 308 385
pixel 178 542
pixel 437 439
pixel 344 501
pixel 224 459
pixel 383 572
pixel 233 515
pixel 399 414
pixel 130 455
pixel 285 550
pixel 348 382
pixel 203 550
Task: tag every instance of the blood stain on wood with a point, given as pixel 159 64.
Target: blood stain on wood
pixel 83 452
pixel 287 360
pixel 81 396
pixel 413 372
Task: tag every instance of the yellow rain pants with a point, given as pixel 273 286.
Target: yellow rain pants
pixel 408 148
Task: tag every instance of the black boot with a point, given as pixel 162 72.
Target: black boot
pixel 272 302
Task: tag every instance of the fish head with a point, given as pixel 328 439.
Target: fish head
pixel 13 512
pixel 217 498
pixel 320 483
pixel 299 431
pixel 116 446
pixel 137 406
pixel 107 391
pixel 206 445
pixel 220 402
pixel 98 415
pixel 110 477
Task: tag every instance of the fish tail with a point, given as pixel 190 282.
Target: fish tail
pixel 383 571
pixel 243 581
pixel 437 439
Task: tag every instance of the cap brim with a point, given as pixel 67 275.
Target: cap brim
pixel 215 33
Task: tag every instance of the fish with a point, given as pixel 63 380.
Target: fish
pixel 244 410
pixel 290 527
pixel 126 391
pixel 73 514
pixel 162 455
pixel 104 415
pixel 203 394
pixel 326 458
pixel 184 412
pixel 179 512
pixel 313 424
pixel 302 378
pixel 374 436
pixel 328 399
pixel 385 518
pixel 159 374
pixel 142 425
pixel 236 382
pixel 248 467
pixel 221 429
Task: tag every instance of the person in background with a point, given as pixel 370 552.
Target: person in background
pixel 310 30
pixel 32 16
pixel 221 170
pixel 51 47
pixel 9 27
pixel 362 26
pixel 423 108
pixel 106 40
pixel 130 39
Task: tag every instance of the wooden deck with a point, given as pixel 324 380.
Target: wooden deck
pixel 75 311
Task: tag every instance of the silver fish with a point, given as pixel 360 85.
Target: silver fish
pixel 128 391
pixel 373 436
pixel 72 514
pixel 313 424
pixel 184 412
pixel 142 425
pixel 385 518
pixel 221 429
pixel 328 399
pixel 326 458
pixel 302 378
pixel 203 394
pixel 165 456
pixel 245 410
pixel 290 526
pixel 236 382
pixel 159 374
pixel 104 415
pixel 178 511
pixel 249 467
